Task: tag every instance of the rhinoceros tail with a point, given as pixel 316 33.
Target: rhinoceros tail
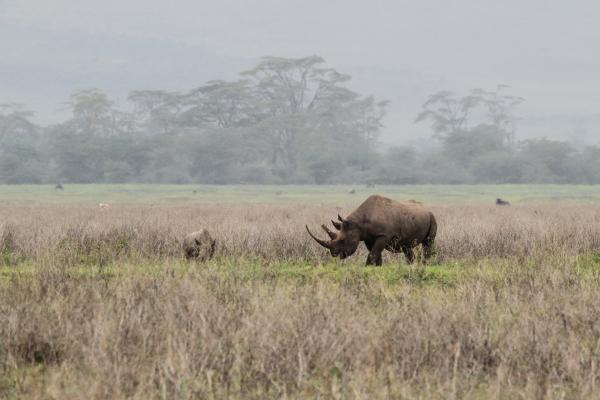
pixel 428 246
pixel 432 229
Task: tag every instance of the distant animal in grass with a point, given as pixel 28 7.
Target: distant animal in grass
pixel 383 224
pixel 352 191
pixel 199 246
pixel 103 206
pixel 59 187
pixel 500 202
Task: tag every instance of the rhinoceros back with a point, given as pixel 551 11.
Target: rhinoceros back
pixel 407 222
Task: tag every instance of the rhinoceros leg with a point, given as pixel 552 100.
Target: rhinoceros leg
pixel 374 256
pixel 428 249
pixel 374 259
pixel 409 254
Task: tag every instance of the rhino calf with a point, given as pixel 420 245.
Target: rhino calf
pixel 199 245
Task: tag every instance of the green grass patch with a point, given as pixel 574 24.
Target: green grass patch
pixel 447 274
pixel 248 270
pixel 177 195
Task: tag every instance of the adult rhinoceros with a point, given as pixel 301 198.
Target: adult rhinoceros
pixel 382 223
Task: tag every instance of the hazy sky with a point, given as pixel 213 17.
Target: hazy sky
pixel 546 51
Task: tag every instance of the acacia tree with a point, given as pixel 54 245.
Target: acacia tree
pixel 450 114
pixel 220 104
pixel 285 117
pixel 279 114
pixel 21 156
pixel 282 89
pixel 472 125
pixel 500 110
pixel 15 121
pixel 302 104
pixel 94 114
pixel 447 112
pixel 97 138
pixel 157 111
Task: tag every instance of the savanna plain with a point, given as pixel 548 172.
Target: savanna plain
pixel 99 303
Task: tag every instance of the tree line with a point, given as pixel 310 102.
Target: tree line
pixel 287 120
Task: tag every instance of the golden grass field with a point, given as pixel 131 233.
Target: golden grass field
pixel 99 303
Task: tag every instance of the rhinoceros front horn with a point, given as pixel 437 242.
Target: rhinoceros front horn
pixel 321 242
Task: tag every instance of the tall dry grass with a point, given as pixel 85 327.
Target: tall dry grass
pixel 205 333
pixel 276 233
pixel 521 318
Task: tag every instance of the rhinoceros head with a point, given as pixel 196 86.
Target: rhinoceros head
pixel 342 243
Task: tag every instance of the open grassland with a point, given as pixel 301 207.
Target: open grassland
pixel 91 195
pixel 100 304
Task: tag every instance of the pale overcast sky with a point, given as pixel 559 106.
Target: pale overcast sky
pixel 545 51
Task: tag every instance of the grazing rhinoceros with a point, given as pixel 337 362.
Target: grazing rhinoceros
pixel 500 202
pixel 382 223
pixel 199 245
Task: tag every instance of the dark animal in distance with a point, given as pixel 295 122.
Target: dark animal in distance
pixel 383 224
pixel 59 187
pixel 199 245
pixel 500 202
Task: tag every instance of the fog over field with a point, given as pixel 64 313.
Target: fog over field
pixel 299 199
pixel 402 51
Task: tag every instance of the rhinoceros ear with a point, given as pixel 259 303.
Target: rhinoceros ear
pixel 337 225
pixel 345 222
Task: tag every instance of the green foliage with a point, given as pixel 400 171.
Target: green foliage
pixel 286 121
pixel 476 133
pixel 264 128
